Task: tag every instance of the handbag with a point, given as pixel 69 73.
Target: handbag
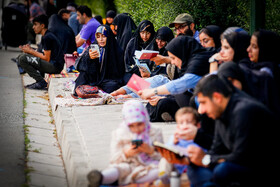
pixel 87 91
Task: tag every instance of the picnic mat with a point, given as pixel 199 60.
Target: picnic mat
pixel 63 74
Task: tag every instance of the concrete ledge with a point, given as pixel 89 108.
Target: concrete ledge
pixel 84 134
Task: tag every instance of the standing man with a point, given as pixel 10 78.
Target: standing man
pixel 48 59
pixel 243 129
pixel 87 34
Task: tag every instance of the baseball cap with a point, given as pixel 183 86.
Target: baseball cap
pixel 182 18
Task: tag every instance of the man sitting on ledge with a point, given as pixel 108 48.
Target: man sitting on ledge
pixel 47 59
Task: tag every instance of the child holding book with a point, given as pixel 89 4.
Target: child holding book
pixel 133 157
pixel 185 117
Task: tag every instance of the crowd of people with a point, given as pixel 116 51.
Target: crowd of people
pixel 221 87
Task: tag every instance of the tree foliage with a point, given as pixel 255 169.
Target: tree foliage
pixel 224 13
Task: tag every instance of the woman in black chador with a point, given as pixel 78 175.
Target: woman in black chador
pixel 125 27
pixel 143 38
pixel 105 70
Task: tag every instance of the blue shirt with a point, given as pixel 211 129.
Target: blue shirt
pixel 182 84
pixel 155 81
pixel 88 31
pixel 183 144
pixel 196 36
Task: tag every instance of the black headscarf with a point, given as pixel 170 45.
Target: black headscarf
pixel 125 29
pixel 165 34
pixel 136 43
pixel 111 14
pixel 112 65
pixel 268 50
pixel 64 33
pixel 194 57
pixel 99 19
pixel 215 32
pixel 239 41
pixel 148 26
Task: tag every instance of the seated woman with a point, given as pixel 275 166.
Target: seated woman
pixel 262 74
pixel 143 39
pixel 210 36
pixel 234 45
pixel 163 36
pixel 192 60
pixel 124 27
pixel 105 70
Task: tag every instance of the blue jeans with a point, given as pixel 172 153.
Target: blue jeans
pixel 224 174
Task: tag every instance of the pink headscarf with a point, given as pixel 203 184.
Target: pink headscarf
pixel 134 111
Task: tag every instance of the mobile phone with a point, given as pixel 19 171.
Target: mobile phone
pixel 137 143
pixel 95 47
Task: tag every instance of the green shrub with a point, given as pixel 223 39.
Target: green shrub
pixel 224 13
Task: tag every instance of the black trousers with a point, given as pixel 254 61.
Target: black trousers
pixel 168 105
pixel 36 67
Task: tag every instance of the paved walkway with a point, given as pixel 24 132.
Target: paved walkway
pixel 45 166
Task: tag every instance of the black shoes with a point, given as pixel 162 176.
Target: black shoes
pixel 94 178
pixel 41 85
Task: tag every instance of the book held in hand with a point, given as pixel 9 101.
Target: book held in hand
pixel 174 154
pixel 145 54
pixel 143 66
pixel 137 83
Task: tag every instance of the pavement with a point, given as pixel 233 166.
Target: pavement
pixel 62 142
pixel 12 154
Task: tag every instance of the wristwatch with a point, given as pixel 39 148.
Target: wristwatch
pixel 206 160
pixel 155 91
pixel 212 59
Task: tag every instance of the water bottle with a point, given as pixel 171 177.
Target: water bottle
pixel 175 179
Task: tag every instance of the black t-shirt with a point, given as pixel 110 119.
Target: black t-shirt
pixel 50 42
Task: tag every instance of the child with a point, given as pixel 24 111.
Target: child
pixel 131 163
pixel 185 117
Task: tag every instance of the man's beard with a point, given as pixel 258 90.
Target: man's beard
pixel 188 32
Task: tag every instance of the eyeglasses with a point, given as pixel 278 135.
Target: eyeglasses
pixel 180 27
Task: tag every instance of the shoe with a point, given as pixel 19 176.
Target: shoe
pixel 41 85
pixel 94 178
pixel 21 70
pixel 166 117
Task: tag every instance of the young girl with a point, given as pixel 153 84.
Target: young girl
pixel 131 163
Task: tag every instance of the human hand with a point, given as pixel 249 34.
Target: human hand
pixel 93 54
pixel 144 74
pixel 188 133
pixel 195 154
pixel 146 93
pixel 75 53
pixel 159 59
pixel 26 48
pixel 154 100
pixel 131 151
pixel 123 96
pixel 146 148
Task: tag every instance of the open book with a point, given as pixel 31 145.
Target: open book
pixel 174 155
pixel 143 66
pixel 145 54
pixel 137 83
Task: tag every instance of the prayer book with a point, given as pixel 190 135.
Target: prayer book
pixel 137 83
pixel 143 66
pixel 173 154
pixel 145 54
